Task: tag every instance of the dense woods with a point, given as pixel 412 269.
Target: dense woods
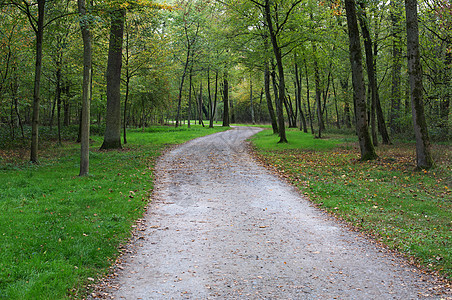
pixel 372 67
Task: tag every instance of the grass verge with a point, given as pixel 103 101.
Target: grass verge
pixel 59 231
pixel 403 209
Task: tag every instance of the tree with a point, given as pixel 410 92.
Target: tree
pixel 423 156
pixel 362 130
pixel 112 136
pixel 86 90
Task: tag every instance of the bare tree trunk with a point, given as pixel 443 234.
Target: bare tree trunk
pixel 308 96
pixel 225 100
pixel 394 119
pixel 318 93
pixel 423 156
pixel 269 99
pixel 86 94
pixel 365 142
pixel 190 83
pixel 303 125
pixel 279 63
pixel 362 16
pixel 112 136
pixel 37 83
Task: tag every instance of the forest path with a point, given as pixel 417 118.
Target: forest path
pixel 220 226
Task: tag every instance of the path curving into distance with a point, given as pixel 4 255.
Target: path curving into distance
pixel 220 226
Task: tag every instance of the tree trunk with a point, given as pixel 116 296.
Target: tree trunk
pixel 365 142
pixel 251 102
pixel 190 83
pixel 279 63
pixel 86 94
pixel 370 69
pixel 303 125
pixel 394 119
pixel 269 99
pixel 213 106
pixel 225 100
pixel 423 156
pixel 318 93
pixel 37 83
pixel 112 136
pixel 307 97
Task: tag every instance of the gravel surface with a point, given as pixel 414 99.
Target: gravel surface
pixel 220 226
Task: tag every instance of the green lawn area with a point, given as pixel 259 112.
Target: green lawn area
pixel 58 230
pixel 404 209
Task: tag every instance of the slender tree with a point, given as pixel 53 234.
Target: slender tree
pixel 365 142
pixel 86 91
pixel 423 156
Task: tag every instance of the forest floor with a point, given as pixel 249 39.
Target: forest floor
pixel 222 226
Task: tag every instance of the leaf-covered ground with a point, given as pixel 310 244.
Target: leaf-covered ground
pixel 404 209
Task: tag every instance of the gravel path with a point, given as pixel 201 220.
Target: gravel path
pixel 222 227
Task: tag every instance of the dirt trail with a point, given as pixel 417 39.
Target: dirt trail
pixel 222 227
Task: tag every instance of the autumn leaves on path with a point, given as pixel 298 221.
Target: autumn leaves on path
pixel 221 226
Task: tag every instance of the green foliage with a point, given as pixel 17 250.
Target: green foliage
pixel 58 229
pixel 401 208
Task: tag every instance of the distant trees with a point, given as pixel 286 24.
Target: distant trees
pixel 282 62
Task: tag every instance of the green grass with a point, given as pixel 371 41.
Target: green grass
pixel 58 229
pixel 406 210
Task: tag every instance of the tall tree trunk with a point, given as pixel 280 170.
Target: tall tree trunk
pixel 269 99
pixel 279 63
pixel 214 104
pixel 318 92
pixel 179 100
pixel 338 123
pixel 112 136
pixel 200 106
pixel 225 100
pixel 379 111
pixel 86 94
pixel 365 142
pixel 37 83
pixel 303 125
pixel 308 96
pixel 190 83
pixel 363 21
pixel 423 156
pixel 251 101
pixel 396 95
pixel 126 96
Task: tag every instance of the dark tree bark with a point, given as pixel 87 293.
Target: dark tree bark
pixel 365 142
pixel 380 116
pixel 279 63
pixel 39 31
pixel 213 106
pixel 112 136
pixel 190 83
pixel 318 93
pixel 308 96
pixel 396 95
pixel 303 125
pixel 423 155
pixel 86 92
pixel 225 100
pixel 251 101
pixel 370 69
pixel 269 99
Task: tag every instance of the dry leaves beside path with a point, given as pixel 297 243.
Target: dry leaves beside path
pixel 221 226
